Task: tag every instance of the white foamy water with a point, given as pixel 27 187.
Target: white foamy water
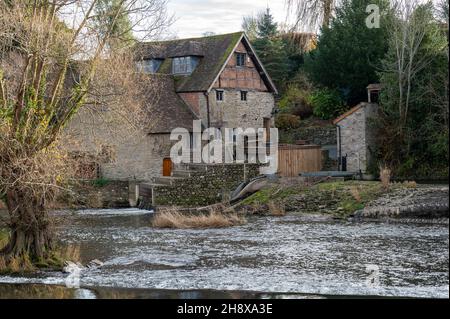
pixel 292 254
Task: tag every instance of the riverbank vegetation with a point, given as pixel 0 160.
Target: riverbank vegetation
pixel 338 198
pixel 23 263
pixel 172 218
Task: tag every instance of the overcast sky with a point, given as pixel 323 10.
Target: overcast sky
pixel 195 17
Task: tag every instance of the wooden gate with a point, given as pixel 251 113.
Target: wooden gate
pixel 296 159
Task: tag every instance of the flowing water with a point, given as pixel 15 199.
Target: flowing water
pixel 290 256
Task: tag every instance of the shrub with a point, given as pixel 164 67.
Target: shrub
pixel 287 121
pixel 296 101
pixel 100 182
pixel 327 104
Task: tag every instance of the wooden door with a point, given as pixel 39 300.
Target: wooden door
pixel 167 167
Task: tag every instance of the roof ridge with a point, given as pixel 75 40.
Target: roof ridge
pixel 192 38
pixel 350 112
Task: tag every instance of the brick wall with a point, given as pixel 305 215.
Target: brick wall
pixel 246 77
pixel 193 100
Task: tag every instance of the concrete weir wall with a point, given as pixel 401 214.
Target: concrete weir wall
pixel 204 184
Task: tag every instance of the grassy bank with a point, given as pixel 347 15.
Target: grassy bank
pixel 340 198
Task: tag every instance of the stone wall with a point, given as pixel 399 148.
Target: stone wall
pixel 206 186
pixel 232 112
pixel 319 135
pixel 138 160
pixel 132 154
pixel 96 194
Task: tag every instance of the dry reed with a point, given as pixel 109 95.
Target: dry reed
pixel 171 218
pixel 385 176
pixel 356 194
pixel 276 209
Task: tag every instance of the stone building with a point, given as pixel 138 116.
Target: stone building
pixel 217 79
pixel 355 137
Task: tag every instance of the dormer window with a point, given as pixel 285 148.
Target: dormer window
pixel 184 64
pixel 149 65
pixel 240 59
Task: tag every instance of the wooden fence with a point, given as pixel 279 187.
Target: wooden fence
pixel 296 159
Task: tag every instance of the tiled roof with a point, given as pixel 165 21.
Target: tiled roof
pixel 350 112
pixel 212 50
pixel 169 111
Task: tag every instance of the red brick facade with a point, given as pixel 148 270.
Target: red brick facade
pixel 193 100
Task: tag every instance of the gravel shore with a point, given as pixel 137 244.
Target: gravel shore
pixel 424 202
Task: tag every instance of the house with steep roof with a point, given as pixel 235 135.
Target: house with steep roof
pixel 218 80
pixel 219 77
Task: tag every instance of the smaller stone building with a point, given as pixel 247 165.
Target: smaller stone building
pixel 356 138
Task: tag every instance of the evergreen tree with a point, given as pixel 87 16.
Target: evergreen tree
pixel 121 34
pixel 267 27
pixel 348 53
pixel 270 47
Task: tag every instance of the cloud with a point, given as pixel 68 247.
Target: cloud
pixel 195 17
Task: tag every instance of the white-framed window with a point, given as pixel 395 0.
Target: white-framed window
pixel 241 59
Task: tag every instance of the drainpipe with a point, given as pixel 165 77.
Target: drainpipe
pixel 207 109
pixel 340 147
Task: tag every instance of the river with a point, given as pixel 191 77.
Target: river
pixel 293 256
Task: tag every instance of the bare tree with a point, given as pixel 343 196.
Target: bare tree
pixel 410 22
pixel 311 14
pixel 55 61
pixel 250 26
